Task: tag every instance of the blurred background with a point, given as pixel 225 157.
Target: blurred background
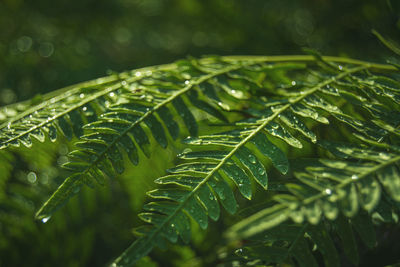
pixel 46 45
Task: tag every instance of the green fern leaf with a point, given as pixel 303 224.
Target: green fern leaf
pixel 330 186
pixel 278 107
pixel 119 128
pixel 236 163
pixel 66 110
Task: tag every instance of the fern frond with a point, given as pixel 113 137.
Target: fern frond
pixel 64 111
pixel 277 104
pixel 120 128
pixel 328 187
pixel 205 172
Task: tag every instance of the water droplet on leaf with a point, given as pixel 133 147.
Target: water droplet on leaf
pixel 328 191
pixel 252 159
pixel 31 177
pixel 384 156
pixel 45 220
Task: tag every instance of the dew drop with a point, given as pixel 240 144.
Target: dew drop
pixel 31 177
pixel 236 93
pixel 111 94
pixel 45 220
pixel 252 159
pixel 293 83
pixel 261 171
pixel 340 67
pixel 187 82
pixel 138 74
pixel 328 191
pixel 9 125
pixel 282 167
pixel 354 177
pixel 82 95
pixel 76 189
pixel 84 108
pixel 223 105
pixel 384 156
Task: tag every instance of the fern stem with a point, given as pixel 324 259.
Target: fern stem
pixel 309 58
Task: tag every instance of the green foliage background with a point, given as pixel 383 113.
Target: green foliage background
pixel 45 45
